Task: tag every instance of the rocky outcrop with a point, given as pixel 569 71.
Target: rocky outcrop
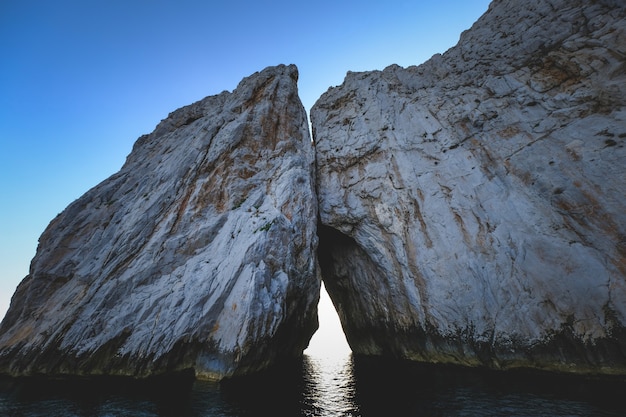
pixel 199 254
pixel 473 208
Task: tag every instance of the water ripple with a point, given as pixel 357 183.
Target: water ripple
pixel 326 386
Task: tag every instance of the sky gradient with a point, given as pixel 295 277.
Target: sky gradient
pixel 80 81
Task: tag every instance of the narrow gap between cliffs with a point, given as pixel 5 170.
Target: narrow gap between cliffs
pixel 329 339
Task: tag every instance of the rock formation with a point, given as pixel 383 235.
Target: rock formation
pixel 473 208
pixel 199 254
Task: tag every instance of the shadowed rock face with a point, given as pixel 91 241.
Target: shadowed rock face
pixel 199 254
pixel 473 208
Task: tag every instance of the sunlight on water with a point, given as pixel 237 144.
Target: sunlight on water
pixel 331 389
pixel 329 378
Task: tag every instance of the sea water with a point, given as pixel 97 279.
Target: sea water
pixel 326 386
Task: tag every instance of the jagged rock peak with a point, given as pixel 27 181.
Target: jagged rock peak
pixel 200 253
pixel 473 208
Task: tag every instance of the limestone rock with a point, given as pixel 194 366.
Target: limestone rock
pixel 473 208
pixel 200 253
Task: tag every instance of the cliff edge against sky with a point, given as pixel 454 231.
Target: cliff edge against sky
pixel 198 255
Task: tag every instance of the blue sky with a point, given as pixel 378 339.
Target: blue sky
pixel 80 81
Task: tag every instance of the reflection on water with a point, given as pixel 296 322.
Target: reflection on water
pixel 330 388
pixel 325 386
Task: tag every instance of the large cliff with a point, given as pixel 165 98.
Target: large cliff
pixel 199 254
pixel 470 210
pixel 473 208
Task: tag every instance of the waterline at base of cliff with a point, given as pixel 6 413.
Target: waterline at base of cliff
pixel 326 386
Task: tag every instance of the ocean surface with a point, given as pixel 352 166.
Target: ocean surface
pixel 340 385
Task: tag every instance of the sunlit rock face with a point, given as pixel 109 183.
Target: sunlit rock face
pixel 199 254
pixel 473 208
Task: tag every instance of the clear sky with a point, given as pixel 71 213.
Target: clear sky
pixel 81 80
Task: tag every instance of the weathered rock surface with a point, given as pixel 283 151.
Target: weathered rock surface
pixel 199 254
pixel 473 208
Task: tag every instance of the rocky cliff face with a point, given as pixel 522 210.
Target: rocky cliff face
pixel 199 254
pixel 473 208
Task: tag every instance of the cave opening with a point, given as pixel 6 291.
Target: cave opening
pixel 329 339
